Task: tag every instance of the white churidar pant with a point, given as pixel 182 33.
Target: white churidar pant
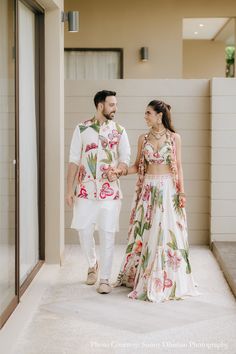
pixel 107 242
pixel 102 215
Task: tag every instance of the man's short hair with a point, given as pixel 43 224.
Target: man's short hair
pixel 101 96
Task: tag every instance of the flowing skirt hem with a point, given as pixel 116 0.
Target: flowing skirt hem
pixel 145 297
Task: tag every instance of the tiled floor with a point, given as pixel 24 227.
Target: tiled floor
pixel 72 318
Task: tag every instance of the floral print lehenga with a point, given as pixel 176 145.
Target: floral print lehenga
pixel 156 263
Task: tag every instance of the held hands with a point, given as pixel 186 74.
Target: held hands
pixel 113 174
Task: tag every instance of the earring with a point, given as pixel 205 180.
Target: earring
pixel 159 120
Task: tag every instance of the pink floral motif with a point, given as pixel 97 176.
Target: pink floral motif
pixel 114 134
pixel 112 143
pixel 90 147
pixel 156 154
pixel 167 282
pixel 114 138
pixel 131 275
pixel 133 294
pixel 104 141
pixel 83 193
pixel 105 169
pixel 173 161
pixel 106 191
pixel 177 186
pixel 173 260
pixel 149 213
pixel 160 286
pixel 138 246
pixel 160 161
pixel 147 273
pixel 173 164
pixel 147 192
pixel 132 216
pixel 117 196
pixel 129 256
pixel 81 173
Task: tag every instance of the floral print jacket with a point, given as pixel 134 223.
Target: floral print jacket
pixel 95 149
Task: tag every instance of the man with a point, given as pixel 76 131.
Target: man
pixel 99 147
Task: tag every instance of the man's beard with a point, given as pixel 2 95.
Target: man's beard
pixel 108 116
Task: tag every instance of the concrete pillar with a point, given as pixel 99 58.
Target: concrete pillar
pixel 54 128
pixel 223 159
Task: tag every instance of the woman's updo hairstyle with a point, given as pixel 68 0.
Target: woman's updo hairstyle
pixel 160 106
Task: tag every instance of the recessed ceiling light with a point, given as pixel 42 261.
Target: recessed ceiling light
pixel 195 32
pixel 207 28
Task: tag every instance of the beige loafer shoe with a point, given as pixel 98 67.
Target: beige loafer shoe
pixel 104 287
pixel 92 275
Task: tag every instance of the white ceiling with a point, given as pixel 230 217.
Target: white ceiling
pixel 208 28
pixel 227 34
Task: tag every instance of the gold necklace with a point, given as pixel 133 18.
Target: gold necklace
pixel 158 135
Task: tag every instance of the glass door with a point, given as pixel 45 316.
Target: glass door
pixel 8 288
pixel 28 177
pixel 31 140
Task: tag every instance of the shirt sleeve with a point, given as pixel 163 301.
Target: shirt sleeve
pixel 75 147
pixel 124 149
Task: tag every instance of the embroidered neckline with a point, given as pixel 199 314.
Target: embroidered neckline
pixel 96 121
pixel 157 150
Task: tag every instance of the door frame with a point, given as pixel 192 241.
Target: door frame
pixel 40 123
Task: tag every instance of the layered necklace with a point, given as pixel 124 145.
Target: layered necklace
pixel 158 135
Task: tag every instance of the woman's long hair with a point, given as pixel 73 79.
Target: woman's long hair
pixel 160 106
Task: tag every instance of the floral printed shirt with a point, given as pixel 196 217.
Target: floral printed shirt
pixel 95 149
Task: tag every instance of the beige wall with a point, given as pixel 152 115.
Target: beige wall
pixel 223 160
pixel 203 59
pixel 156 24
pixel 131 25
pixel 190 109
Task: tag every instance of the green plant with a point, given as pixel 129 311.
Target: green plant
pixel 229 53
pixel 229 57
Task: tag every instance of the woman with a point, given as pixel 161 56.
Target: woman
pixel 156 264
